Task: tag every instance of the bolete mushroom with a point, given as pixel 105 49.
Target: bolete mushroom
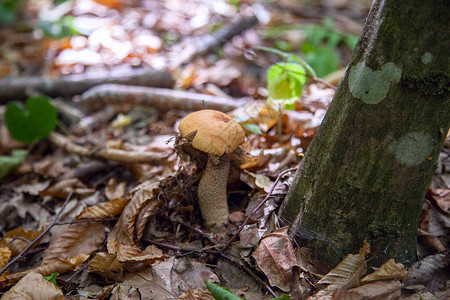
pixel 218 135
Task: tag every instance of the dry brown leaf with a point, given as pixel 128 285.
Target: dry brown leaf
pixel 380 290
pixel 197 294
pixel 346 295
pixel 79 238
pixel 114 190
pixel 5 255
pixel 59 266
pixel 347 273
pixel 128 229
pixel 389 270
pixel 275 256
pixel 127 253
pixel 106 265
pixel 62 188
pixel 422 271
pixel 103 210
pixel 34 287
pixel 13 239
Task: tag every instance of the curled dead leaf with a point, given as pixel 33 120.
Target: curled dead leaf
pixel 103 210
pixel 34 286
pixel 347 273
pixel 275 256
pixel 16 239
pixel 5 255
pixel 127 253
pixel 106 265
pixel 130 226
pixel 389 270
pixel 57 266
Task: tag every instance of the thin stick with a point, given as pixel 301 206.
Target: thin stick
pixel 86 221
pixel 195 229
pixel 37 238
pixel 228 244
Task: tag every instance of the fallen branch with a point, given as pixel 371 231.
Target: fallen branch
pixel 18 88
pixel 20 255
pixel 190 49
pixel 163 99
pixel 118 155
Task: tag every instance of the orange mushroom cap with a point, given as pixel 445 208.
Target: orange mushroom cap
pixel 216 132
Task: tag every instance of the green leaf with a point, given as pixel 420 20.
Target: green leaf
pixel 35 122
pixel 285 82
pixel 220 293
pixel 58 29
pixel 253 128
pixel 8 163
pixel 52 278
pixel 322 58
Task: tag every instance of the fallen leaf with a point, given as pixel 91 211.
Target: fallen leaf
pixel 114 190
pixel 389 270
pixel 56 266
pixel 34 287
pixel 78 238
pixel 5 255
pixel 347 273
pixel 103 210
pixel 16 239
pixel 275 256
pixel 106 265
pixel 379 290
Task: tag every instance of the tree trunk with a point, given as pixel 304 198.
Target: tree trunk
pixel 365 174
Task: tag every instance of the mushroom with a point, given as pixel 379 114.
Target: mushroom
pixel 218 135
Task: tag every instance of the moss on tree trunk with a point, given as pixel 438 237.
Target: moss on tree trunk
pixel 365 174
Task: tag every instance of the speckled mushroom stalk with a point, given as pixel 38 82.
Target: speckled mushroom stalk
pixel 218 135
pixel 212 191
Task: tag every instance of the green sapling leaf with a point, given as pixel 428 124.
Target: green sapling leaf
pixel 285 82
pixel 35 122
pixel 8 163
pixel 220 293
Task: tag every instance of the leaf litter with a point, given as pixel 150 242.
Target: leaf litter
pixel 130 225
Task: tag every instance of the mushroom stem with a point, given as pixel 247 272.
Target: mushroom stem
pixel 212 192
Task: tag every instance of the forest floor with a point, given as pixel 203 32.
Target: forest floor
pixel 106 206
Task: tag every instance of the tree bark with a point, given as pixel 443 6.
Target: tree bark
pixel 365 174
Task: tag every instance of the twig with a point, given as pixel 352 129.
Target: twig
pixel 228 244
pixel 86 221
pixel 37 238
pixel 328 85
pixel 195 229
pixel 111 154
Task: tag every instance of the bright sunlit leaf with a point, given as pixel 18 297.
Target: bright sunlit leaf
pixel 285 82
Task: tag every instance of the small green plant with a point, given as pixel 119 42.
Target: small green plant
pixel 32 123
pixel 52 278
pixel 8 163
pixel 319 44
pixel 220 293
